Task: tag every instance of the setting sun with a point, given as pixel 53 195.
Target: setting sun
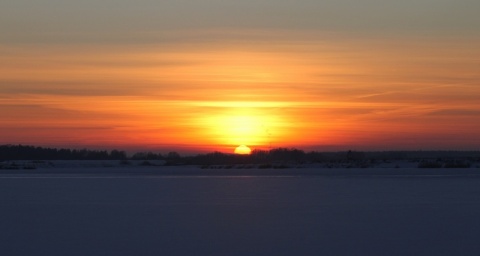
pixel 243 150
pixel 241 124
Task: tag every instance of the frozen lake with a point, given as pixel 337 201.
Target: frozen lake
pixel 187 215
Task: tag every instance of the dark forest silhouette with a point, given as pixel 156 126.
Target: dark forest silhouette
pixel 274 158
pixel 21 152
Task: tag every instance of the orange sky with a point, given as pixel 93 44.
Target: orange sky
pixel 283 89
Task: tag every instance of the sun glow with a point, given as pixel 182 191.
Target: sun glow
pixel 243 150
pixel 245 126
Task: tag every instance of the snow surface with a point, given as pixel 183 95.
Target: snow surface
pixel 117 213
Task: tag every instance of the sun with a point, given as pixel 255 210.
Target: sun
pixel 243 150
pixel 251 124
pixel 237 127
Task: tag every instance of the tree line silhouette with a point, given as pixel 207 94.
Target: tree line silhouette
pixel 21 152
pixel 277 156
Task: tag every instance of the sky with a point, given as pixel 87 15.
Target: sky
pixel 210 75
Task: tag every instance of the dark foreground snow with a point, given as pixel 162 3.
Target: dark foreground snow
pixel 258 215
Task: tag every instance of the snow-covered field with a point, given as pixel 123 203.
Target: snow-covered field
pixel 158 167
pixel 115 212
